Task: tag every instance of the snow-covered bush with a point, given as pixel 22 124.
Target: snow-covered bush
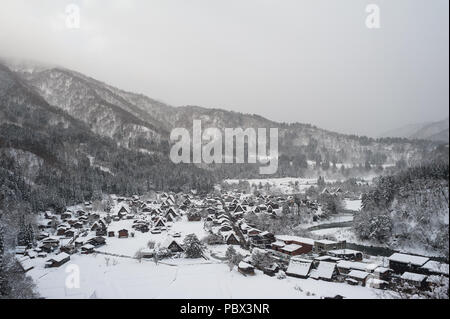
pixel 281 275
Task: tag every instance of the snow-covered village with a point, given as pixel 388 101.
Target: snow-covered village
pixel 161 244
pixel 224 157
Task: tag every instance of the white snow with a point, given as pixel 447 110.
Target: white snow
pixel 128 278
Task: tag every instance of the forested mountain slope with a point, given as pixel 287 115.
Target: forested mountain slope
pixel 408 209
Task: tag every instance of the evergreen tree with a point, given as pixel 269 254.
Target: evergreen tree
pixel 21 235
pixel 3 281
pixel 233 257
pixel 193 247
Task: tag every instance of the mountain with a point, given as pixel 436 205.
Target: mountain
pixel 137 123
pixel 437 131
pixel 96 104
pixel 49 158
pixel 433 131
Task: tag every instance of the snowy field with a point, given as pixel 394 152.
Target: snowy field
pixel 337 232
pixel 284 185
pixel 353 205
pixel 114 273
pixel 129 246
pixel 129 278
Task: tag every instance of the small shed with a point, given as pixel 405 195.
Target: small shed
pixel 57 260
pixel 359 276
pixel 87 249
pixel 123 233
pixel 246 269
pixel 416 280
pixel 231 239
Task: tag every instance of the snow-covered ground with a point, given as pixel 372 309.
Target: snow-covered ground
pixel 352 204
pixel 338 232
pixel 129 246
pixel 114 273
pixel 285 185
pixel 129 278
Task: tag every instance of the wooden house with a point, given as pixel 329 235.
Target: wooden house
pixel 87 249
pixel 231 239
pixel 123 233
pixel 173 245
pixel 401 263
pixel 358 276
pixel 306 243
pixel 159 223
pixel 97 241
pixel 325 245
pixel 325 271
pixel 58 260
pixel 68 249
pixel 299 267
pixel 347 254
pixel 418 281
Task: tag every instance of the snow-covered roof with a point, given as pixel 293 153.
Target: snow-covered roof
pixel 381 270
pixel 436 267
pixel 169 240
pixel 409 259
pixel 291 247
pixel 375 282
pixel 344 252
pixel 302 240
pixel 325 270
pixel 60 257
pixel 326 242
pixel 244 265
pixel 278 244
pixel 358 274
pixel 300 267
pixel 352 265
pixel 265 233
pixel 413 277
pixel 326 257
pixel 26 263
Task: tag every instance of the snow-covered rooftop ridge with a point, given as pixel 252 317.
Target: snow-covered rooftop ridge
pixel 304 240
pixel 358 274
pixel 436 267
pixel 344 251
pixel 60 257
pixel 409 259
pixel 299 267
pixel 291 247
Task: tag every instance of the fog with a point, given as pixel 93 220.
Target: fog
pixel 309 61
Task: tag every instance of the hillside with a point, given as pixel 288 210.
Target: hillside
pixel 50 159
pixel 115 130
pixel 408 209
pixel 433 131
pixel 137 121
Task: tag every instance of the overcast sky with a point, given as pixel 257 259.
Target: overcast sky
pixel 311 61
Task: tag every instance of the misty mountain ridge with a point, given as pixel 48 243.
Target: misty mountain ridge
pixel 434 131
pixel 137 122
